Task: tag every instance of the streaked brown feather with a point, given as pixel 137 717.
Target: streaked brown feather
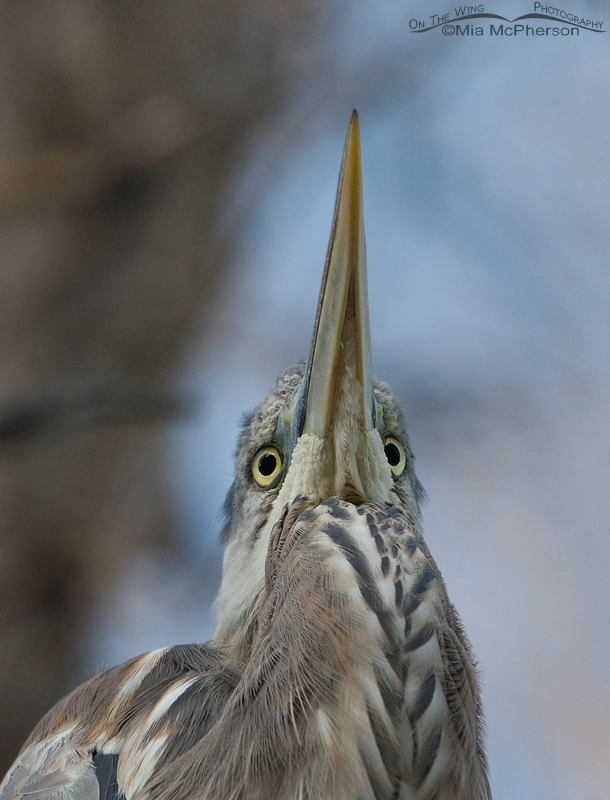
pixel 316 710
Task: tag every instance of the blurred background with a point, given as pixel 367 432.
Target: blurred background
pixel 167 180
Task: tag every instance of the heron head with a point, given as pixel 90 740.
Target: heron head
pixel 329 429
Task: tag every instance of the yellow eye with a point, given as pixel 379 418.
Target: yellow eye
pixel 266 466
pixel 395 454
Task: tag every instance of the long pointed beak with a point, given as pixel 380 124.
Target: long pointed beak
pixel 340 358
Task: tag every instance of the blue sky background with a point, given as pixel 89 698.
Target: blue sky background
pixel 486 209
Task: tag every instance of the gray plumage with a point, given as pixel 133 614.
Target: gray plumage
pixel 339 669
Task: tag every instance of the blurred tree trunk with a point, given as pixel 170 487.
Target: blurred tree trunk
pixel 120 125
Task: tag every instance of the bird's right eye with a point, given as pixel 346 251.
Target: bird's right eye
pixel 266 466
pixel 395 454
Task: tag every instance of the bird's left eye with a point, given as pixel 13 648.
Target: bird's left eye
pixel 266 466
pixel 395 453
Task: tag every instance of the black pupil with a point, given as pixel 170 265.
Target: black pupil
pixel 267 464
pixel 392 453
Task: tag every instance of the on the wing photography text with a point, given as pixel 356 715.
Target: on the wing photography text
pixel 543 21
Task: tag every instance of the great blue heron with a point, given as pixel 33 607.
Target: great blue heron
pixel 339 669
